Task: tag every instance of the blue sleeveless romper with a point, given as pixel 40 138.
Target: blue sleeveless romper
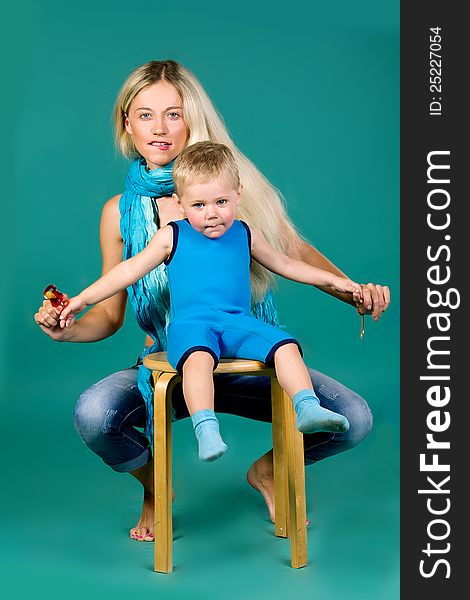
pixel 210 298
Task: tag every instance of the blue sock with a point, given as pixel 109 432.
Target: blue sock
pixel 311 417
pixel 206 428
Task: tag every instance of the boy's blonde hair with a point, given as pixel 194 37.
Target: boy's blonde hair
pixel 262 207
pixel 203 161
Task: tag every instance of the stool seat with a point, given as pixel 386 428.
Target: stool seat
pixel 158 362
pixel 288 458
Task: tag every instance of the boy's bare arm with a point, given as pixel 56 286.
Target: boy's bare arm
pixel 122 275
pixel 296 270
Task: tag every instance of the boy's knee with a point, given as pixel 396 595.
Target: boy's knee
pixel 288 349
pixel 199 359
pixel 284 351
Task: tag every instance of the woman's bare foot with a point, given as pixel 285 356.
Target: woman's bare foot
pixel 143 531
pixel 261 476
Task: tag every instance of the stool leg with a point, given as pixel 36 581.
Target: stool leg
pixel 294 450
pixel 162 457
pixel 279 461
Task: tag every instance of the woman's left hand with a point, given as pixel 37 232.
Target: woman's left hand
pixel 376 300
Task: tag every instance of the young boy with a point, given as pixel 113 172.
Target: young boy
pixel 207 257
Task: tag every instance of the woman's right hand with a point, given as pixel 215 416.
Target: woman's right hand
pixel 48 319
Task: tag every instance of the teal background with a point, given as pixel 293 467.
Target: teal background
pixel 310 93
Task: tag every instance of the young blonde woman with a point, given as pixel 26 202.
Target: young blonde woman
pixel 161 109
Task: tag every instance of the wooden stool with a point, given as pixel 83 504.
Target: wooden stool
pixel 288 447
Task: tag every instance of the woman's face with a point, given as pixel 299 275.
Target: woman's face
pixel 155 123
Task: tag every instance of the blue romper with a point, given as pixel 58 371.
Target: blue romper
pixel 210 298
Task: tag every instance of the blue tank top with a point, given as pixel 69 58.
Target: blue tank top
pixel 209 273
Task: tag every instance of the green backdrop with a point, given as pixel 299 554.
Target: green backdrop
pixel 310 93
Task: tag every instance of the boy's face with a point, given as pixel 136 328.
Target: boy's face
pixel 210 207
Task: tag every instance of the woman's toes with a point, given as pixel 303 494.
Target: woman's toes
pixel 141 534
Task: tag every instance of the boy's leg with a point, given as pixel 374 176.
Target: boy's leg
pixel 294 378
pixel 198 390
pixel 198 381
pixel 251 338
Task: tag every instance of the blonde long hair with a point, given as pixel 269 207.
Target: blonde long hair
pixel 262 205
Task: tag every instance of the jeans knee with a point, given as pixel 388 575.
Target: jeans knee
pixel 360 421
pixel 94 419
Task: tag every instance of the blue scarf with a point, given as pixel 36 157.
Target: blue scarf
pixel 149 296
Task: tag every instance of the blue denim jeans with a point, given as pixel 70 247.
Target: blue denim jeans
pixel 109 414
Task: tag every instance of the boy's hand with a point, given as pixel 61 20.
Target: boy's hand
pixel 74 306
pixel 342 284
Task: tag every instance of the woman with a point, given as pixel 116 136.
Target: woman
pixel 160 109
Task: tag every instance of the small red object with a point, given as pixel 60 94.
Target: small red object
pixel 55 297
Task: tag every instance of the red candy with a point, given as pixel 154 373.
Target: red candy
pixel 55 297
